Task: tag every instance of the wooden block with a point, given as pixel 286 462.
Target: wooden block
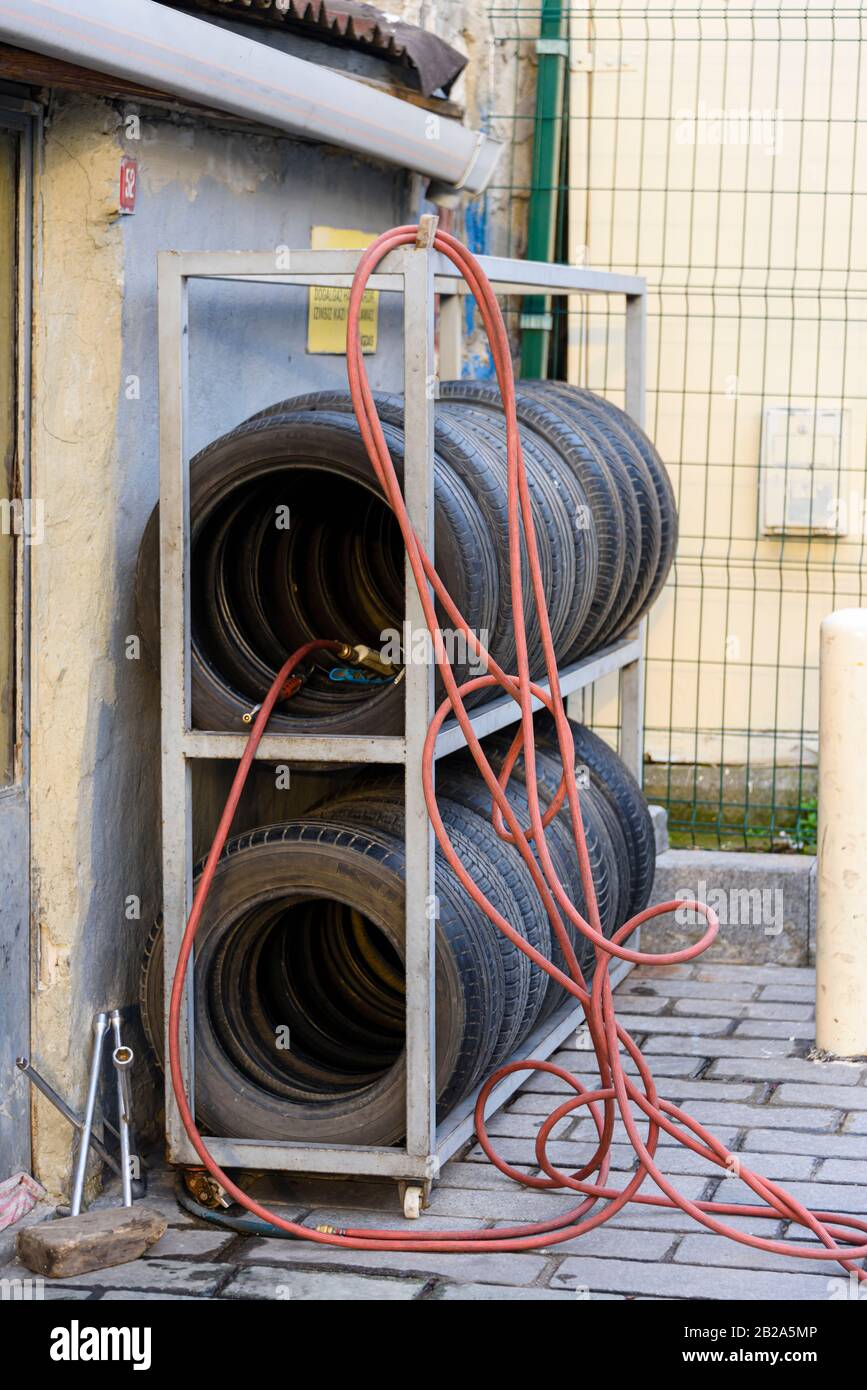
pixel 94 1240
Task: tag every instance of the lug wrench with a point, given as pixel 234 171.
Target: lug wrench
pixel 122 1057
pixel 24 1066
pixel 100 1028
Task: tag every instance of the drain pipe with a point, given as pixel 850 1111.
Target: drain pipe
pixel 199 62
pixel 841 874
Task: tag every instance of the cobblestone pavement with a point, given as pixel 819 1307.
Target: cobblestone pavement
pixel 730 1042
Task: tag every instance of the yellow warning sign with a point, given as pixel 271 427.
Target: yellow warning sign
pixel 328 308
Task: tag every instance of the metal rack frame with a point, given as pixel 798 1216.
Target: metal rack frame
pixel 420 274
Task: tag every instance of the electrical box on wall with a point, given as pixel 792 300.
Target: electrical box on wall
pixel 802 471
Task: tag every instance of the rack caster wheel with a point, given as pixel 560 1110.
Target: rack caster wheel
pixel 413 1199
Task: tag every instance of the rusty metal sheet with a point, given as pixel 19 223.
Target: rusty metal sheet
pixel 351 24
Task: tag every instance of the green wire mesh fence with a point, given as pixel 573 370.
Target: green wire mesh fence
pixel 719 151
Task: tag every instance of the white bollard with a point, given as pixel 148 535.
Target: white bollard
pixel 841 926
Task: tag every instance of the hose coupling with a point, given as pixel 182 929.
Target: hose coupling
pixel 293 685
pixel 361 655
pixel 251 714
pixel 326 1230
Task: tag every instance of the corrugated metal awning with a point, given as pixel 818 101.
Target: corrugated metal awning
pixel 352 24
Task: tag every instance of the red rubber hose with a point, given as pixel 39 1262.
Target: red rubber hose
pixel 840 1238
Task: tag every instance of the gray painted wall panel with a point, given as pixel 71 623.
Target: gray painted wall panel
pixel 202 189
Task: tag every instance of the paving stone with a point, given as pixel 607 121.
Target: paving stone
pixel 543 1083
pixel 721 1047
pixel 480 1176
pixel 669 1086
pixel 845 1097
pixel 487 1293
pixel 138 1296
pixel 684 1092
pixel 619 1243
pixel 585 1132
pixel 683 971
pixel 801 1013
pixel 167 1276
pixel 645 1003
pixel 765 1116
pixel 346 1217
pixel 47 1291
pixel 788 1069
pixel 793 1031
pixel 845 1170
pixel 519 1204
pixel 507 1124
pixel 665 1064
pixel 727 990
pixel 779 1167
pixel 856 1124
pixel 805 1142
pixel 761 974
pixel 791 993
pixel 522 1152
pixel 298 1285
pixel 674 1027
pixel 669 1219
pixel 190 1242
pixel 687 1281
pixel 714 1250
pixel 822 1196
pixel 677 1160
pixel 485 1268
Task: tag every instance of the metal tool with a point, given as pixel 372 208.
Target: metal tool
pixel 122 1056
pixel 100 1028
pixel 23 1064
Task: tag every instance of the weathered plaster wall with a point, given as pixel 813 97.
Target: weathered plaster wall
pixel 95 463
pixel 76 380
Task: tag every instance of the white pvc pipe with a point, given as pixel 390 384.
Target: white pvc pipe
pixel 841 931
pixel 203 63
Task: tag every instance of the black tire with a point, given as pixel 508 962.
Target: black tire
pixel 614 531
pixel 552 524
pixel 560 848
pixel 247 612
pixel 612 777
pixel 364 867
pixel 379 803
pixel 464 808
pixel 661 483
pixel 588 412
pixel 607 873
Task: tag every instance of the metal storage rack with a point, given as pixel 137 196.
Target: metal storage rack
pixel 420 274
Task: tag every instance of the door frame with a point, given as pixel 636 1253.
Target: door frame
pixel 19 114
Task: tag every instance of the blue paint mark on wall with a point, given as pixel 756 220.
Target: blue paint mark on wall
pixel 477 365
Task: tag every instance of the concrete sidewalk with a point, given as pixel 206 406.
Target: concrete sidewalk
pixel 728 1042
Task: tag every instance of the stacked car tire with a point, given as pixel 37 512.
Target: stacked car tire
pixel 299 965
pixel 299 979
pixel 290 540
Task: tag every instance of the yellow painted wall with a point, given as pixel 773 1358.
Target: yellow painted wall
pixel 753 239
pixel 76 387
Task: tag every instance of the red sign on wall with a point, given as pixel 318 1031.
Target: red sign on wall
pixel 128 184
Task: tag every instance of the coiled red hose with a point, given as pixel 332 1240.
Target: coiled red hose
pixel 840 1238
